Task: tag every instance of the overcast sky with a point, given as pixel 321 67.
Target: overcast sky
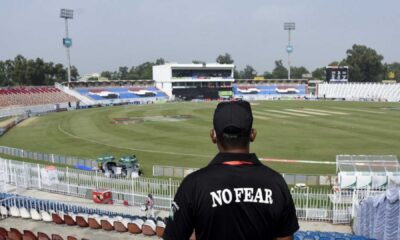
pixel 110 33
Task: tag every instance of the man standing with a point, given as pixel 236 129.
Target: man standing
pixel 149 206
pixel 235 196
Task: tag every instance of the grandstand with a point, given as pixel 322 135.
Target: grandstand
pixel 195 81
pixel 360 91
pixel 28 96
pixel 269 91
pixel 122 93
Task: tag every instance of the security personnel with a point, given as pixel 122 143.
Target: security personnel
pixel 235 196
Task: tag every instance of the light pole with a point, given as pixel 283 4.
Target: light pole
pixel 289 26
pixel 67 42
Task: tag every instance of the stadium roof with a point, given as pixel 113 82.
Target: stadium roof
pixel 367 163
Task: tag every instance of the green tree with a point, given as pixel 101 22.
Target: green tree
pixel 319 73
pixel 391 67
pixel 279 72
pixel 297 72
pixel 248 72
pixel 106 74
pixel 122 73
pixel 365 64
pixel 268 75
pixel 225 59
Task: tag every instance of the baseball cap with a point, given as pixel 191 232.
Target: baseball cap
pixel 233 117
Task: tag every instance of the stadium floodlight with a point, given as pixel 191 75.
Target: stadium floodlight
pixel 67 42
pixel 67 13
pixel 289 26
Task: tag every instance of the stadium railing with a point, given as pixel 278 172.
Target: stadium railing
pixel 291 179
pixel 48 158
pixel 312 204
pixel 80 183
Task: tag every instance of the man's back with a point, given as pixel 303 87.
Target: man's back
pixel 234 197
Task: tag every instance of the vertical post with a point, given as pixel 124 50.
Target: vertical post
pixel 307 202
pixel 170 192
pixel 67 178
pixel 39 177
pixel 133 192
pixel 97 181
pixel 52 158
pixel 68 53
pixel 289 58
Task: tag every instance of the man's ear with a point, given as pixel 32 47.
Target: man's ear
pixel 213 136
pixel 253 134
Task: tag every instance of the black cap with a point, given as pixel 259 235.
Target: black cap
pixel 233 117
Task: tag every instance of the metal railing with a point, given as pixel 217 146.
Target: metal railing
pixel 312 204
pixel 81 183
pixel 291 179
pixel 48 158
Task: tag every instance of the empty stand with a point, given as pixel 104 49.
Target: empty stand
pixel 28 96
pixel 357 91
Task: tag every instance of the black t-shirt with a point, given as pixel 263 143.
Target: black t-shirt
pixel 234 197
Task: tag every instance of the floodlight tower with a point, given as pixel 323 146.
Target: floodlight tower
pixel 67 42
pixel 289 26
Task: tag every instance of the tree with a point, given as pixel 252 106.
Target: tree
pixel 319 73
pixel 122 73
pixel 391 67
pixel 365 64
pixel 248 72
pixel 106 74
pixel 297 72
pixel 160 61
pixel 197 62
pixel 279 72
pixel 224 59
pixel 268 75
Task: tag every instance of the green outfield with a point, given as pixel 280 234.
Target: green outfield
pixel 177 134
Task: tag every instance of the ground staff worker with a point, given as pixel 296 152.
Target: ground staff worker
pixel 235 196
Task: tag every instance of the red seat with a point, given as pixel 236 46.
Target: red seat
pixel 81 222
pixel 69 221
pixel 14 234
pixel 57 219
pixel 106 225
pixel 43 236
pixel 56 237
pixel 93 223
pixel 29 235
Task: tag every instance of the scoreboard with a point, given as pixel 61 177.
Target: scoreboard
pixel 337 73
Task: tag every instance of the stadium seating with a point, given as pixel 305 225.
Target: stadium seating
pixel 357 91
pixel 28 96
pixel 379 216
pixel 105 93
pixel 269 89
pixel 71 215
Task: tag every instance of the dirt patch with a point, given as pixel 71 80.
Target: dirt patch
pixel 136 120
pixel 27 122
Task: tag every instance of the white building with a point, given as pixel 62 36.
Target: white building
pixel 194 81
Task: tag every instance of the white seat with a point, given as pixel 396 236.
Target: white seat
pixel 35 215
pixel 151 224
pixel 125 222
pixel 14 211
pixel 46 217
pixel 3 211
pixel 160 224
pixel 24 213
pixel 138 222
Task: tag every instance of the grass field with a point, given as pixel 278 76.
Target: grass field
pixel 178 133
